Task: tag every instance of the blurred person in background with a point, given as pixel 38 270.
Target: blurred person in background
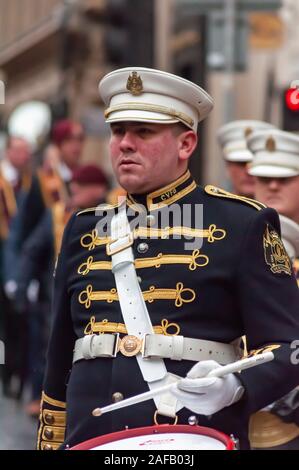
pixel 88 188
pixel 15 180
pixel 51 182
pixel 232 140
pixel 275 168
pixel 115 195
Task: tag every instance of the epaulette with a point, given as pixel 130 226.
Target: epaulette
pixel 100 207
pixel 214 191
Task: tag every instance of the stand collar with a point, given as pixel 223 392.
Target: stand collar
pixel 166 195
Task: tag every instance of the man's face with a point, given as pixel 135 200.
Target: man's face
pixel 19 153
pixel 242 182
pixel 146 156
pixel 282 194
pixel 71 148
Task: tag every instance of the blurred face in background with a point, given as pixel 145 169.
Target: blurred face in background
pixel 242 182
pixel 87 195
pixel 51 157
pixel 18 152
pixel 71 148
pixel 282 194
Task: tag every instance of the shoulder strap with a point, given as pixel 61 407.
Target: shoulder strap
pixel 133 307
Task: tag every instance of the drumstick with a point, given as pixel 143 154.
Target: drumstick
pixel 219 372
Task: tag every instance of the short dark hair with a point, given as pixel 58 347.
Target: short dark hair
pixel 179 128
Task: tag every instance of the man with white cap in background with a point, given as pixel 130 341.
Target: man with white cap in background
pixel 232 138
pixel 275 168
pixel 137 304
pixel 290 238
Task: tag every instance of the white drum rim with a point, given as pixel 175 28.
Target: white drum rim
pixel 157 429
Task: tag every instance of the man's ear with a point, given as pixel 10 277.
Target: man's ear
pixel 187 142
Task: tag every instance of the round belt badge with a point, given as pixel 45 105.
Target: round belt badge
pixel 130 345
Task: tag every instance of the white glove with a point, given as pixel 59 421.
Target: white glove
pixel 10 288
pixel 33 290
pixel 207 395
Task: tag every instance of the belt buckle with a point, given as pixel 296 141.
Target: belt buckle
pixel 116 344
pixel 127 241
pixel 143 352
pixel 130 345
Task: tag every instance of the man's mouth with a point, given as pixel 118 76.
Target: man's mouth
pixel 128 162
pixel 273 199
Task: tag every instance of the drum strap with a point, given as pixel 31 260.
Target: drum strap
pixel 134 310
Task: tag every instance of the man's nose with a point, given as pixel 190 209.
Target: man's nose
pixel 128 142
pixel 274 184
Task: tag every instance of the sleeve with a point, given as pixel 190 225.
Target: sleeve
pixel 59 356
pixel 268 300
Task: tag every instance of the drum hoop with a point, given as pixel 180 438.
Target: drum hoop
pixel 160 429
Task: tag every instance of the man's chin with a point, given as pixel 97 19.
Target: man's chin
pixel 131 183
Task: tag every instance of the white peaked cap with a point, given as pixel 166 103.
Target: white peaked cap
pixel 275 154
pixel 148 95
pixel 232 138
pixel 290 236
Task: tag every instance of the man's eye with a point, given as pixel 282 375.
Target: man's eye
pixel 145 130
pixel 117 131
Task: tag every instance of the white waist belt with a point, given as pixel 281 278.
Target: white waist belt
pixel 153 346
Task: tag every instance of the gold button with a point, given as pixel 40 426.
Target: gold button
pixel 117 396
pixel 49 418
pixel 48 447
pixel 49 434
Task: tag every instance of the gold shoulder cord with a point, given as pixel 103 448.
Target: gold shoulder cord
pixel 102 207
pixel 214 191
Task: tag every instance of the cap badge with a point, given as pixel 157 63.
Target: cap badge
pixel 247 131
pixel 134 84
pixel 270 144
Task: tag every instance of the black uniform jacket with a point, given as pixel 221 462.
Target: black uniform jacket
pixel 226 277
